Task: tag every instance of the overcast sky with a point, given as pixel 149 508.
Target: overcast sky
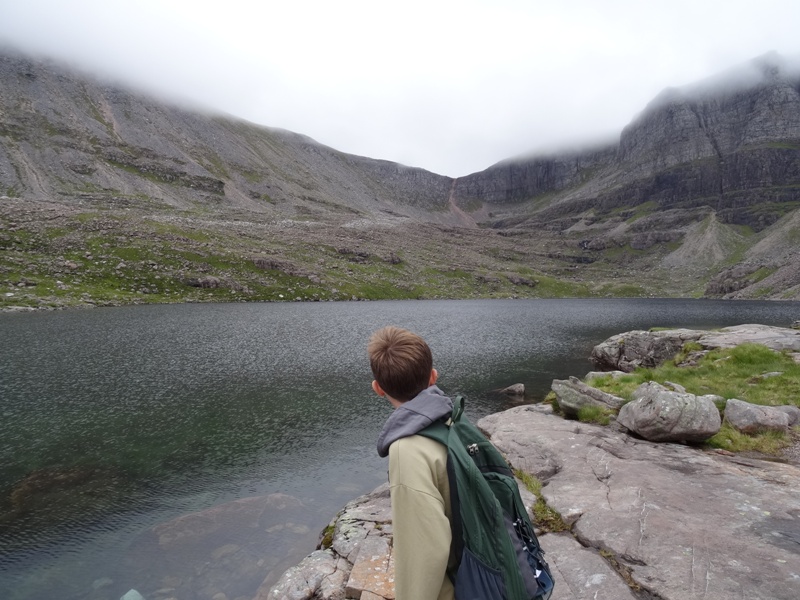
pixel 450 86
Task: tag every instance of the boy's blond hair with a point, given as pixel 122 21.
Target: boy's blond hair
pixel 401 362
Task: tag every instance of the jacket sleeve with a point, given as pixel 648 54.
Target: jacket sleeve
pixel 420 523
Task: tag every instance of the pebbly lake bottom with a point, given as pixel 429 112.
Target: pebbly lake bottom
pixel 191 450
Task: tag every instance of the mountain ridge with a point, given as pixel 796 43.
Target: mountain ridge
pixel 697 171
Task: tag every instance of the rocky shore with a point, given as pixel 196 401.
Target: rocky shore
pixel 645 519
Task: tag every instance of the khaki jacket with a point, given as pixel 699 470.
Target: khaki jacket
pixel 420 518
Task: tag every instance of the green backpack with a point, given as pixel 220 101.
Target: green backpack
pixel 494 546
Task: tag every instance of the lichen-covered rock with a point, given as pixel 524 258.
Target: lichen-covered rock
pixel 627 351
pixel 774 338
pixel 754 418
pixel 303 581
pixel 662 415
pixel 573 394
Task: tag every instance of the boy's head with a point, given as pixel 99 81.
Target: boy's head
pixel 401 363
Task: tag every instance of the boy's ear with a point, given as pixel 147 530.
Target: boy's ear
pixel 434 377
pixel 376 387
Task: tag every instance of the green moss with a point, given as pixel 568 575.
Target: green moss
pixel 546 518
pixel 618 253
pixel 327 537
pixel 619 565
pixel 251 176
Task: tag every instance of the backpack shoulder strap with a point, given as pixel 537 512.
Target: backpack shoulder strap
pixel 440 430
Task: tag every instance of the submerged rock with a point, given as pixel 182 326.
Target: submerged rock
pixel 221 550
pixel 515 390
pixel 355 559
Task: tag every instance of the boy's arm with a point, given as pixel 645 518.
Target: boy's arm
pixel 420 525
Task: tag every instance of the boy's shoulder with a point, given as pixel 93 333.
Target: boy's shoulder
pixel 416 445
pixel 418 463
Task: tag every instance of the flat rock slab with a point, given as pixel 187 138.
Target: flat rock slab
pixel 776 338
pixel 373 571
pixel 686 523
pixel 581 573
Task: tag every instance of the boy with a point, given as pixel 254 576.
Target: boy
pixel 402 365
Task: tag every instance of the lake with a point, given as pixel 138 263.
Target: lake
pixel 117 420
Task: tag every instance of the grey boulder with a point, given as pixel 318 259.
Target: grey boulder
pixel 753 418
pixel 659 414
pixel 573 394
pixel 793 413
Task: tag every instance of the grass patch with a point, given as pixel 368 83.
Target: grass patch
pixel 594 414
pixel 730 373
pixel 550 287
pixel 770 442
pixel 685 351
pixel 622 290
pixel 749 372
pixel 545 517
pixel 642 210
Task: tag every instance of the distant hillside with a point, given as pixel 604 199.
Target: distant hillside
pixel 65 137
pixel 111 197
pixel 710 172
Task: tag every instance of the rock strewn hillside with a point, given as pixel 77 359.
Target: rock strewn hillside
pixel 700 196
pixel 708 174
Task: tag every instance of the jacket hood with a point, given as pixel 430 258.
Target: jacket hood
pixel 413 416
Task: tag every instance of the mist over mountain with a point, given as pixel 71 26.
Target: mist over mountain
pixel 700 195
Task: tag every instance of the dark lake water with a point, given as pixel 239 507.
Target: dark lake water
pixel 116 420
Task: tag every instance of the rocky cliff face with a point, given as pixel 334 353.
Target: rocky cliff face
pixel 731 144
pixel 695 175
